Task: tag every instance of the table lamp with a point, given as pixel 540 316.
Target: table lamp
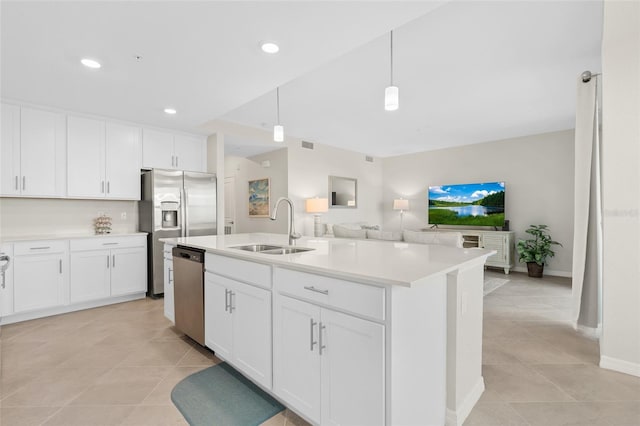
pixel 401 205
pixel 317 206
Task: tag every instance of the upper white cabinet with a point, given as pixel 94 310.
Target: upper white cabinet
pixel 33 152
pixel 163 150
pixel 103 159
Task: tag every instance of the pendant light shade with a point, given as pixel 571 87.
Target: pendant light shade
pixel 391 93
pixel 278 129
pixel 391 98
pixel 278 133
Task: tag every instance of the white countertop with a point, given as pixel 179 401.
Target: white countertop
pixel 372 261
pixel 69 236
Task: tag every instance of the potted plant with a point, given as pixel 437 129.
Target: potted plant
pixel 534 252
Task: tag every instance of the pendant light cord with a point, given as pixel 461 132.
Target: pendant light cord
pixel 391 73
pixel 278 103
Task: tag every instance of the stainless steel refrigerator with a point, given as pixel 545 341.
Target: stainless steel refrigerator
pixel 174 204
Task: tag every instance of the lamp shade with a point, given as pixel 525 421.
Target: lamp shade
pixel 391 98
pixel 316 205
pixel 278 133
pixel 401 204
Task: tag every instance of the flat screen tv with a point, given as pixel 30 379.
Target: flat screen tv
pixel 471 204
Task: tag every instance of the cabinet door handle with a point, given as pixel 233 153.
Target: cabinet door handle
pixel 60 261
pixel 177 160
pixel 17 187
pixel 173 161
pixel 113 261
pixel 321 346
pixel 24 183
pixel 312 342
pixel 170 272
pixel 226 300
pixel 231 307
pixel 317 290
pixel 102 187
pixel 39 248
pixel 108 187
pixel 107 261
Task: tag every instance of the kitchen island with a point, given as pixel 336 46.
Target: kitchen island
pixel 351 331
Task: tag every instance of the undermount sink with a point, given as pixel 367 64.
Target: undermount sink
pixel 269 249
pixel 287 250
pixel 256 247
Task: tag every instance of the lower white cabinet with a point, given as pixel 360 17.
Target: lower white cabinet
pixel 238 325
pixel 169 307
pixel 328 366
pixel 6 282
pixel 40 275
pixel 110 266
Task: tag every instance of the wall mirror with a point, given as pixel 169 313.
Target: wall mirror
pixel 343 192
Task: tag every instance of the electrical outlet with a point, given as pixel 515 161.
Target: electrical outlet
pixel 123 215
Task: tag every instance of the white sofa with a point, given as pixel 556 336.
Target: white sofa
pixel 357 231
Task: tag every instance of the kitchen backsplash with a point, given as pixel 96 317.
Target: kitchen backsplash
pixel 48 216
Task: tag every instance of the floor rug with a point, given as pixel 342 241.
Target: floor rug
pixel 492 284
pixel 221 396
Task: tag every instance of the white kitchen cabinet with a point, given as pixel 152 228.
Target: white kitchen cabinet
pixel 103 159
pixel 169 307
pixel 164 150
pixel 6 285
pixel 128 270
pixel 107 267
pixel 90 275
pixel 329 366
pixel 33 149
pixel 40 275
pixel 238 325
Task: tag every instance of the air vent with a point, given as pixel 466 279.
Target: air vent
pixel 368 158
pixel 307 145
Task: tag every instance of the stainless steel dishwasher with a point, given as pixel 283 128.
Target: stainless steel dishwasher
pixel 188 287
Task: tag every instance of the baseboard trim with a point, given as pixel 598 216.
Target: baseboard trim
pixel 620 365
pixel 25 316
pixel 457 417
pixel 552 272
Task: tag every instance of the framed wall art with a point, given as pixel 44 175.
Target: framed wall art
pixel 259 192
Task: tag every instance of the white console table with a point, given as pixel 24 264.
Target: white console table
pixel 503 242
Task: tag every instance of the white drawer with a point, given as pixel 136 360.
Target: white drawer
pixel 241 270
pixel 100 243
pixel 361 299
pixel 39 247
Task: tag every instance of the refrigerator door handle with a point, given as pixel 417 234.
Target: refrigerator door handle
pixel 183 208
pixel 186 212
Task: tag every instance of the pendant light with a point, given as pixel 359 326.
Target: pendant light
pixel 278 129
pixel 391 94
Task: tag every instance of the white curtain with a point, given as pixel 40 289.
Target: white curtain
pixel 587 230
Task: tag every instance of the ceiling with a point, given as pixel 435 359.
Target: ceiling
pixel 468 71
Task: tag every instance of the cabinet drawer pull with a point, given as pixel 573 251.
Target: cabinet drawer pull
pixel 317 290
pixel 312 342
pixel 40 248
pixel 321 346
pixel 109 244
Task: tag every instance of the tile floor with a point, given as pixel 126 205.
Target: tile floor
pixel 116 365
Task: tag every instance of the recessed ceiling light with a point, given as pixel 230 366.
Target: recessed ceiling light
pixel 270 47
pixel 90 63
pixel 170 111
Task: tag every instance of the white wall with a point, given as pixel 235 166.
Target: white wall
pixel 44 216
pixel 309 172
pixel 537 169
pixel 620 344
pixel 245 169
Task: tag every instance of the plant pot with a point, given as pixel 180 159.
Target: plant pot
pixel 535 270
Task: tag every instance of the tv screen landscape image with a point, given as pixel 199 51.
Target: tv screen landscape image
pixel 472 204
